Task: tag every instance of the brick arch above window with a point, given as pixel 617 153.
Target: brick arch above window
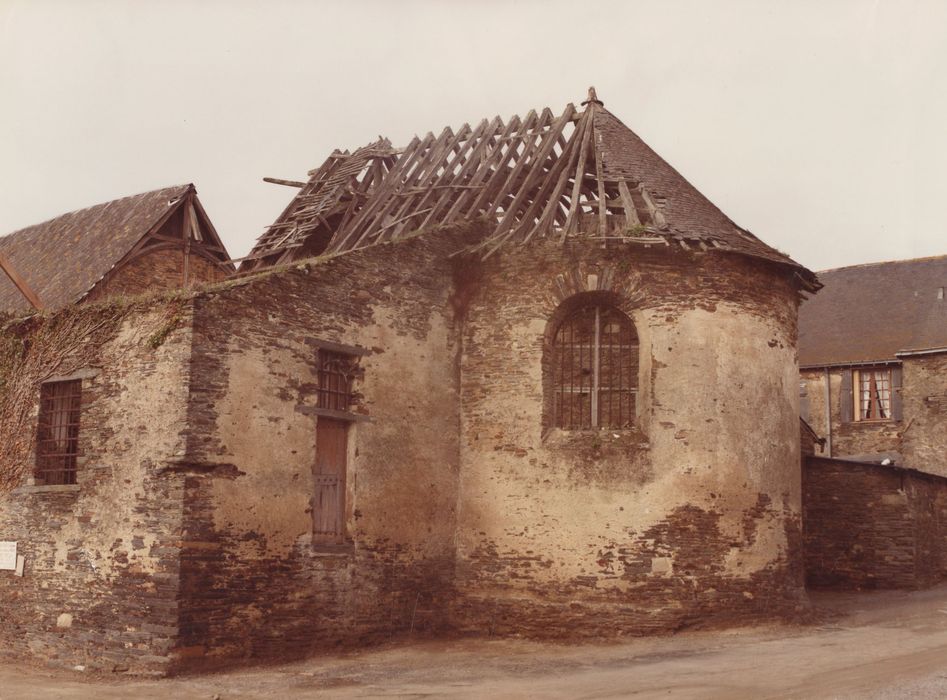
pixel 607 279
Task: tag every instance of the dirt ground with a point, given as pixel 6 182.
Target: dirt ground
pixel 882 645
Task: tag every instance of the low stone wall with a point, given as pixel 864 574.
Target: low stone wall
pixel 873 526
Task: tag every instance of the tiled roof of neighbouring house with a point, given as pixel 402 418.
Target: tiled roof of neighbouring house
pixel 63 258
pixel 579 174
pixel 869 313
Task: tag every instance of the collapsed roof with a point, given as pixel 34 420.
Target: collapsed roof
pixel 63 259
pixel 872 313
pixel 581 173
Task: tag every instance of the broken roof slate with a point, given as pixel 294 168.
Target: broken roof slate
pixel 63 258
pixel 870 313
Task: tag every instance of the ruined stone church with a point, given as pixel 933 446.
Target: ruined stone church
pixel 517 377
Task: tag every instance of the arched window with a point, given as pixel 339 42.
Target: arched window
pixel 595 369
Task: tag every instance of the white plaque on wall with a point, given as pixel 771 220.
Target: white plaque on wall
pixel 8 556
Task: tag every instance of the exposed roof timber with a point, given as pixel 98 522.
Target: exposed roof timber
pixel 20 283
pixel 287 183
pixel 579 174
pixel 198 237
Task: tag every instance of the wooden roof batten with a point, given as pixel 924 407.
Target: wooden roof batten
pixel 581 174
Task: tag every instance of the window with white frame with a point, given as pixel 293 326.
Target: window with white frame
pixel 872 393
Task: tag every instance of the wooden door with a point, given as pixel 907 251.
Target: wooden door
pixel 328 502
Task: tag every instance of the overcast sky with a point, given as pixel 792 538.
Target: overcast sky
pixel 821 126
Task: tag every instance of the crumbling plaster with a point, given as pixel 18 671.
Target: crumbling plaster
pixel 546 515
pixel 253 442
pixel 465 509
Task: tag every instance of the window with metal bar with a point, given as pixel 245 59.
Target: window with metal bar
pixel 57 439
pixel 595 369
pixel 336 374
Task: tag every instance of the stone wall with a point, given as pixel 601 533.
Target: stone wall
pixel 101 557
pixel 154 271
pixel 873 526
pixel 189 540
pixel 849 438
pixel 694 514
pixel 810 442
pixel 925 413
pixel 253 584
pixel 920 437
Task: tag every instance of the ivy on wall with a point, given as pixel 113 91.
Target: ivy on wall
pixel 39 347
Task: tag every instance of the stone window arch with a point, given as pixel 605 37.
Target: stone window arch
pixel 592 366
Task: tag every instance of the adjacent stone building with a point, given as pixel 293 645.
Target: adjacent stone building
pixel 873 348
pixel 498 381
pixel 155 240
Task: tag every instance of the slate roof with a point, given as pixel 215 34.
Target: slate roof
pixel 63 258
pixel 579 174
pixel 869 313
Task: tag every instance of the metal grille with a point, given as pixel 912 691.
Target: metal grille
pixel 57 440
pixel 336 372
pixel 595 370
pixel 874 394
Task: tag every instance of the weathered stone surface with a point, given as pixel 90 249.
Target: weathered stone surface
pixel 256 587
pixel 919 437
pixel 851 437
pixel 466 510
pixel 157 270
pixel 93 589
pixel 558 532
pixel 873 526
pixel 924 445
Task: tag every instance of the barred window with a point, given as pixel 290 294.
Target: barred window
pixel 336 375
pixel 595 369
pixel 57 440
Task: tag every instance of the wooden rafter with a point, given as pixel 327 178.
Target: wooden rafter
pixel 20 282
pixel 540 176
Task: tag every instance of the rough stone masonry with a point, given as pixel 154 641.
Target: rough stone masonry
pixel 369 440
pixel 188 537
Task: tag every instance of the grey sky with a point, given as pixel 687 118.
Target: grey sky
pixel 820 126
